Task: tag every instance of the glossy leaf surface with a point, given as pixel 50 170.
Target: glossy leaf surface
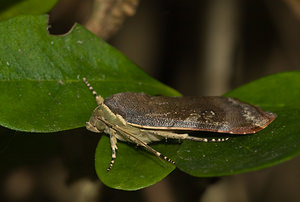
pixel 42 91
pixel 41 76
pixel 278 142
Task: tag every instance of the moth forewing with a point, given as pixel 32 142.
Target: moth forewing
pixel 212 113
pixel 141 119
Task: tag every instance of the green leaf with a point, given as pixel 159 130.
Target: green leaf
pixel 41 76
pixel 134 167
pixel 278 142
pixel 42 91
pixel 12 8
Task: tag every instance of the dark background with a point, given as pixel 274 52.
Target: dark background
pixel 197 47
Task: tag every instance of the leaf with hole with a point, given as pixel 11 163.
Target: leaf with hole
pixel 42 91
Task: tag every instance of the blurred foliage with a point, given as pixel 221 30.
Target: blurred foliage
pixel 42 91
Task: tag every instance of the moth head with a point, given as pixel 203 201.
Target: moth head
pixel 97 128
pixel 95 124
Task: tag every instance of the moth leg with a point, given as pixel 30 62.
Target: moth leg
pixel 140 142
pixel 158 154
pixel 199 139
pixel 185 136
pixel 167 135
pixel 113 144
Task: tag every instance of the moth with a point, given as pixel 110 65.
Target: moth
pixel 141 119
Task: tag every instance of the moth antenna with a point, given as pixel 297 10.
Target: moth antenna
pixel 98 98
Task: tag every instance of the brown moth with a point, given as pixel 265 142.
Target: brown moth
pixel 141 119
